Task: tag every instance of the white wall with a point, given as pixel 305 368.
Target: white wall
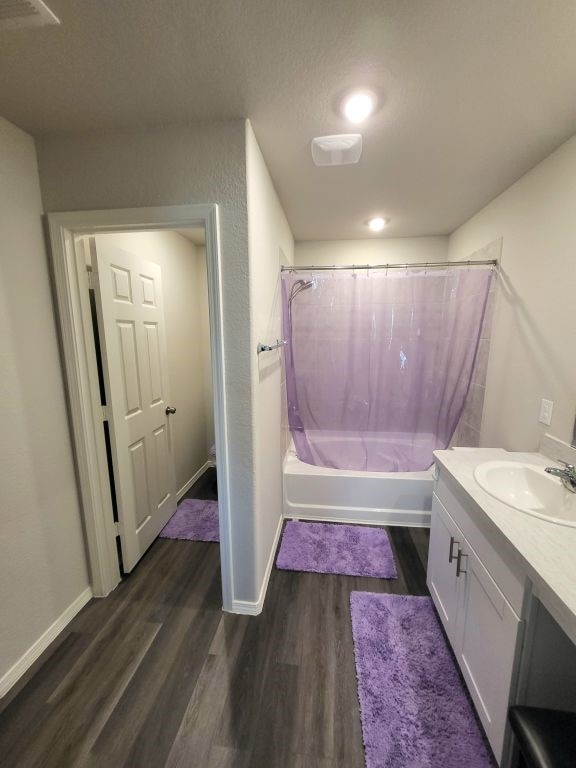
pixel 401 250
pixel 185 289
pixel 533 349
pixel 270 242
pixel 42 559
pixel 201 163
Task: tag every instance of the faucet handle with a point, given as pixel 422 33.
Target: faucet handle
pixel 566 464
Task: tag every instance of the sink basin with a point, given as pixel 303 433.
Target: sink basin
pixel 529 489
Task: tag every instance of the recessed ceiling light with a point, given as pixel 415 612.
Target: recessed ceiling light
pixel 358 106
pixel 377 224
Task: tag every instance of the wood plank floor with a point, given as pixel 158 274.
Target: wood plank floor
pixel 156 675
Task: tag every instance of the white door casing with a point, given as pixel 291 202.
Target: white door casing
pixel 133 338
pixel 75 325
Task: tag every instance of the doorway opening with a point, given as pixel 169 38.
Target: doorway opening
pixel 139 303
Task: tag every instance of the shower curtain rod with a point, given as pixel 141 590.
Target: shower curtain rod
pixel 421 264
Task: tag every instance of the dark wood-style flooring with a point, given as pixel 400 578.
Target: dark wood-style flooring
pixel 156 675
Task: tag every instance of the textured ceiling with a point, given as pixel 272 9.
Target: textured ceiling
pixel 473 92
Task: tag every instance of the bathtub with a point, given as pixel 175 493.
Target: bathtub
pixel 336 495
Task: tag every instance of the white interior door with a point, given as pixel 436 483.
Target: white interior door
pixel 133 340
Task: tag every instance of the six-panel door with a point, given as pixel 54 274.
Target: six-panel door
pixel 131 320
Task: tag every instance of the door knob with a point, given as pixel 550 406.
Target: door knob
pixel 170 409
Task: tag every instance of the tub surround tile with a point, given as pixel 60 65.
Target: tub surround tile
pixel 481 367
pixel 468 430
pixel 472 415
pixel 489 315
pixel 466 437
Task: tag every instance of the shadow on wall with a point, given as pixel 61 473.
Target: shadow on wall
pixel 267 369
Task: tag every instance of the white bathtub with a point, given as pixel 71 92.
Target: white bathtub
pixel 336 495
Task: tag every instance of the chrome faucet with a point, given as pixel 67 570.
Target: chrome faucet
pixel 566 475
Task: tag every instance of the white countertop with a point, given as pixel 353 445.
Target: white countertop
pixel 546 550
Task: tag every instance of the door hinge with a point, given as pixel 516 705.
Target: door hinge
pixel 105 415
pixel 90 273
pixel 117 528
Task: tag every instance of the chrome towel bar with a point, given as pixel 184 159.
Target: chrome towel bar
pixel 269 347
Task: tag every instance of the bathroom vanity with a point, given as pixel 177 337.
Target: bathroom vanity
pixel 504 585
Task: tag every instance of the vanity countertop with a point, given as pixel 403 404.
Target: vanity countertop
pixel 546 550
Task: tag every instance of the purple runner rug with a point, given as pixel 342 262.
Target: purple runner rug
pixel 195 519
pixel 349 550
pixel 414 708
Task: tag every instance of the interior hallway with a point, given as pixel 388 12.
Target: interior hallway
pixel 156 675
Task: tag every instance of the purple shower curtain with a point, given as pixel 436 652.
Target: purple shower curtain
pixel 378 365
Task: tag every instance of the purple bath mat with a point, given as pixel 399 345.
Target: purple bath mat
pixel 195 519
pixel 349 550
pixel 415 711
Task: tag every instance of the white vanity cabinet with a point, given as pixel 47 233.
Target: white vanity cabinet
pixel 472 589
pixel 445 538
pixel 486 643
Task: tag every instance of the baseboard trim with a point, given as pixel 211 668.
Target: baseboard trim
pixel 246 608
pixel 196 476
pixel 253 608
pixel 8 680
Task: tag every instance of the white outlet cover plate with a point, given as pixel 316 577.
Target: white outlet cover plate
pixel 546 407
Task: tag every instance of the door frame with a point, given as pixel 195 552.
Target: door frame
pixel 71 288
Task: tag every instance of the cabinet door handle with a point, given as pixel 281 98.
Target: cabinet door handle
pixel 451 555
pixel 459 557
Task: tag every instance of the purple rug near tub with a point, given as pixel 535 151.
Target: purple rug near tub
pixel 415 711
pixel 349 550
pixel 195 519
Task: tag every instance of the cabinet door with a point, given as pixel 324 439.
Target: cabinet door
pixel 445 538
pixel 485 646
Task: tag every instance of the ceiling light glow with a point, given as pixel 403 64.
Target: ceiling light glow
pixel 377 224
pixel 358 106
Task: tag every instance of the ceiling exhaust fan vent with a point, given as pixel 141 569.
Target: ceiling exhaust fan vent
pixel 342 149
pixel 25 13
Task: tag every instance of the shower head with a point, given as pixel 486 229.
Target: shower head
pixel 301 285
